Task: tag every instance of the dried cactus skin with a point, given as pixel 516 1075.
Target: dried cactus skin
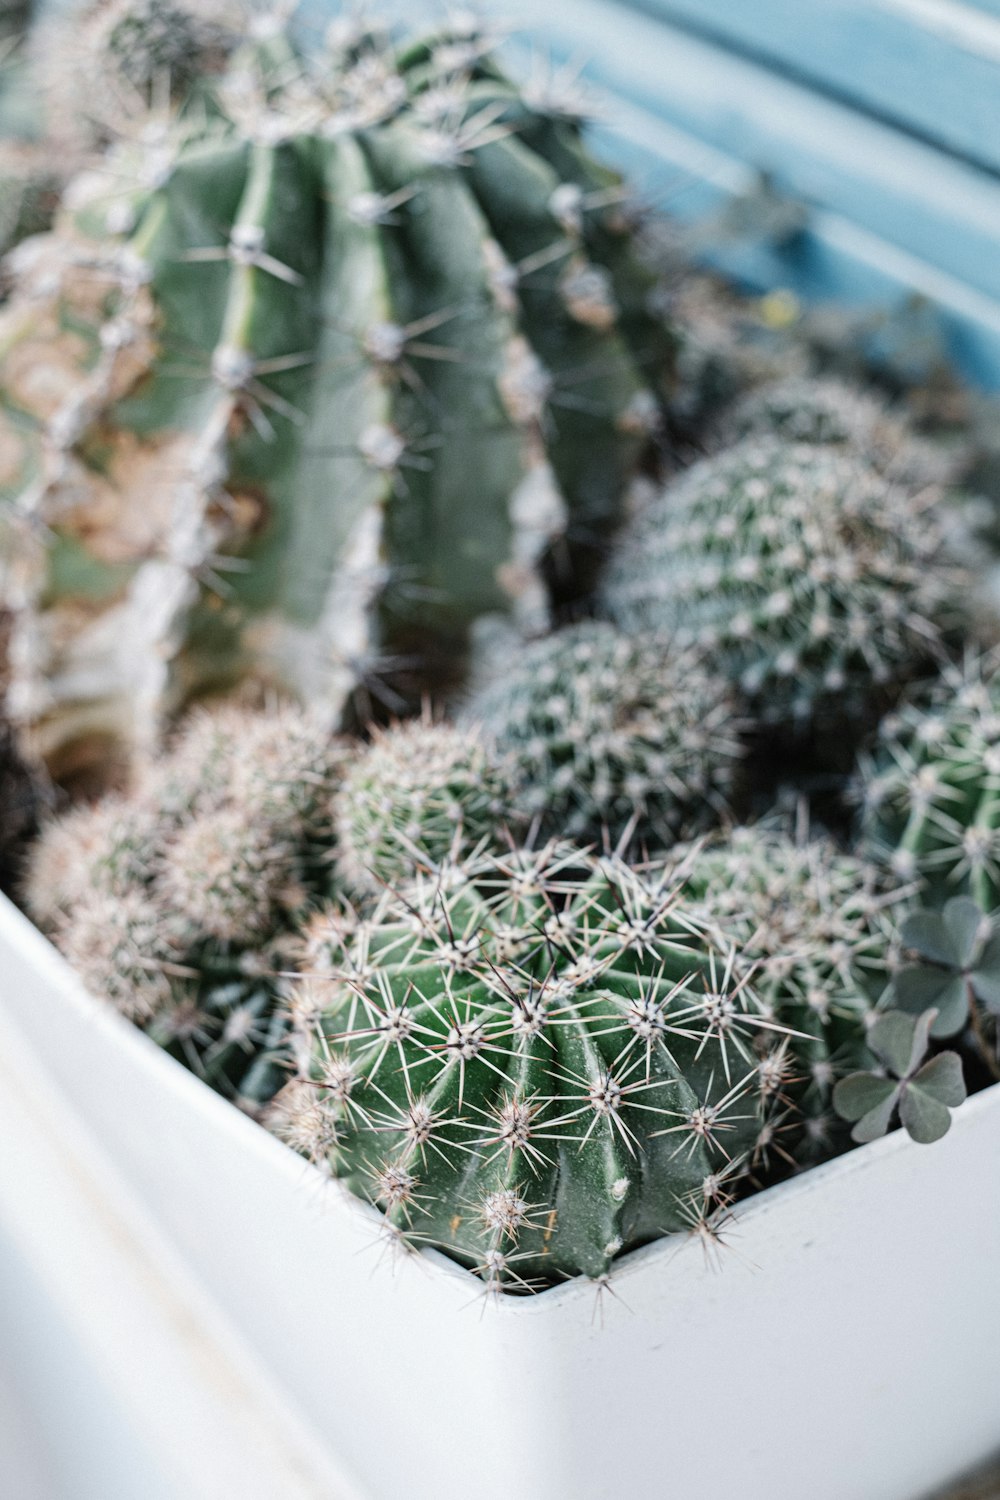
pixel 605 733
pixel 421 795
pixel 929 789
pixel 532 1061
pixel 816 583
pixel 367 340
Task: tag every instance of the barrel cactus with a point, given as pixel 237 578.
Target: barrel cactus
pixel 825 409
pixel 422 794
pixel 819 926
pixel 177 904
pixel 930 788
pixel 604 733
pixel 306 379
pixel 533 1061
pixel 813 580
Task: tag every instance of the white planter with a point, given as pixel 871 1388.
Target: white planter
pixel 844 1344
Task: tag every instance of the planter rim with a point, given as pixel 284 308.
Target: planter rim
pixel 20 932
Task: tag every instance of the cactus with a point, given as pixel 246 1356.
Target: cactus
pixel 824 409
pixel 817 924
pixel 534 1061
pixel 930 788
pixel 176 904
pixel 605 733
pixel 816 582
pixel 421 795
pixel 306 381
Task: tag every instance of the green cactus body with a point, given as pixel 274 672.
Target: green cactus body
pixel 814 581
pixel 336 334
pixel 817 927
pixel 603 732
pixel 533 1061
pixel 930 789
pixel 421 795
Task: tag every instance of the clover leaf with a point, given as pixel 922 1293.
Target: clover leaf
pixel 956 959
pixel 922 1091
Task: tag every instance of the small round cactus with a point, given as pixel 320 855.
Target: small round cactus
pixel 817 925
pixel 812 579
pixel 420 794
pixel 603 732
pixel 930 788
pixel 533 1061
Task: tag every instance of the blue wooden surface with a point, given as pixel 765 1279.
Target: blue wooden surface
pixel 932 66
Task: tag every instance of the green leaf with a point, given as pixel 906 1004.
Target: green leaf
pixel 891 1038
pixel 917 987
pixel 924 1119
pixel 861 1093
pixel 985 978
pixel 964 920
pixel 925 932
pixel 921 1039
pixel 876 1122
pixel 942 1078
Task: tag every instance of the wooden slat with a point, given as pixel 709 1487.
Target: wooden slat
pixel 932 66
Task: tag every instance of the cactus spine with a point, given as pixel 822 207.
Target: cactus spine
pixel 365 338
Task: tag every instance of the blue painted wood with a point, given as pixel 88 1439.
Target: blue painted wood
pixel 932 66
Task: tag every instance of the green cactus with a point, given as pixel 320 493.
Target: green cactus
pixel 178 904
pixel 533 1061
pixel 930 788
pixel 815 582
pixel 818 926
pixel 422 794
pixel 305 382
pixel 824 409
pixel 604 733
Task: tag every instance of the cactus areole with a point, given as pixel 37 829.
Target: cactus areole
pixel 310 374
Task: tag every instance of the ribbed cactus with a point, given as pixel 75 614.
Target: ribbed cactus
pixel 178 904
pixel 421 795
pixel 603 732
pixel 813 580
pixel 818 926
pixel 930 789
pixel 533 1061
pixel 309 379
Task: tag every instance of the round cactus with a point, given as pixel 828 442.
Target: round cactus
pixel 823 409
pixel 813 580
pixel 404 239
pixel 174 904
pixel 533 1061
pixel 421 794
pixel 817 926
pixel 930 788
pixel 603 732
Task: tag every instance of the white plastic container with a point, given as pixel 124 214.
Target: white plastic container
pixel 842 1343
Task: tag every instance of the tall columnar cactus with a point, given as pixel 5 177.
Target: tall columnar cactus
pixel 930 788
pixel 422 794
pixel 818 925
pixel 603 732
pixel 533 1061
pixel 824 409
pixel 309 379
pixel 813 580
pixel 178 904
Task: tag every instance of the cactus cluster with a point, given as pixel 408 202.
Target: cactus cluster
pixel 930 787
pixel 605 733
pixel 174 903
pixel 814 581
pixel 310 374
